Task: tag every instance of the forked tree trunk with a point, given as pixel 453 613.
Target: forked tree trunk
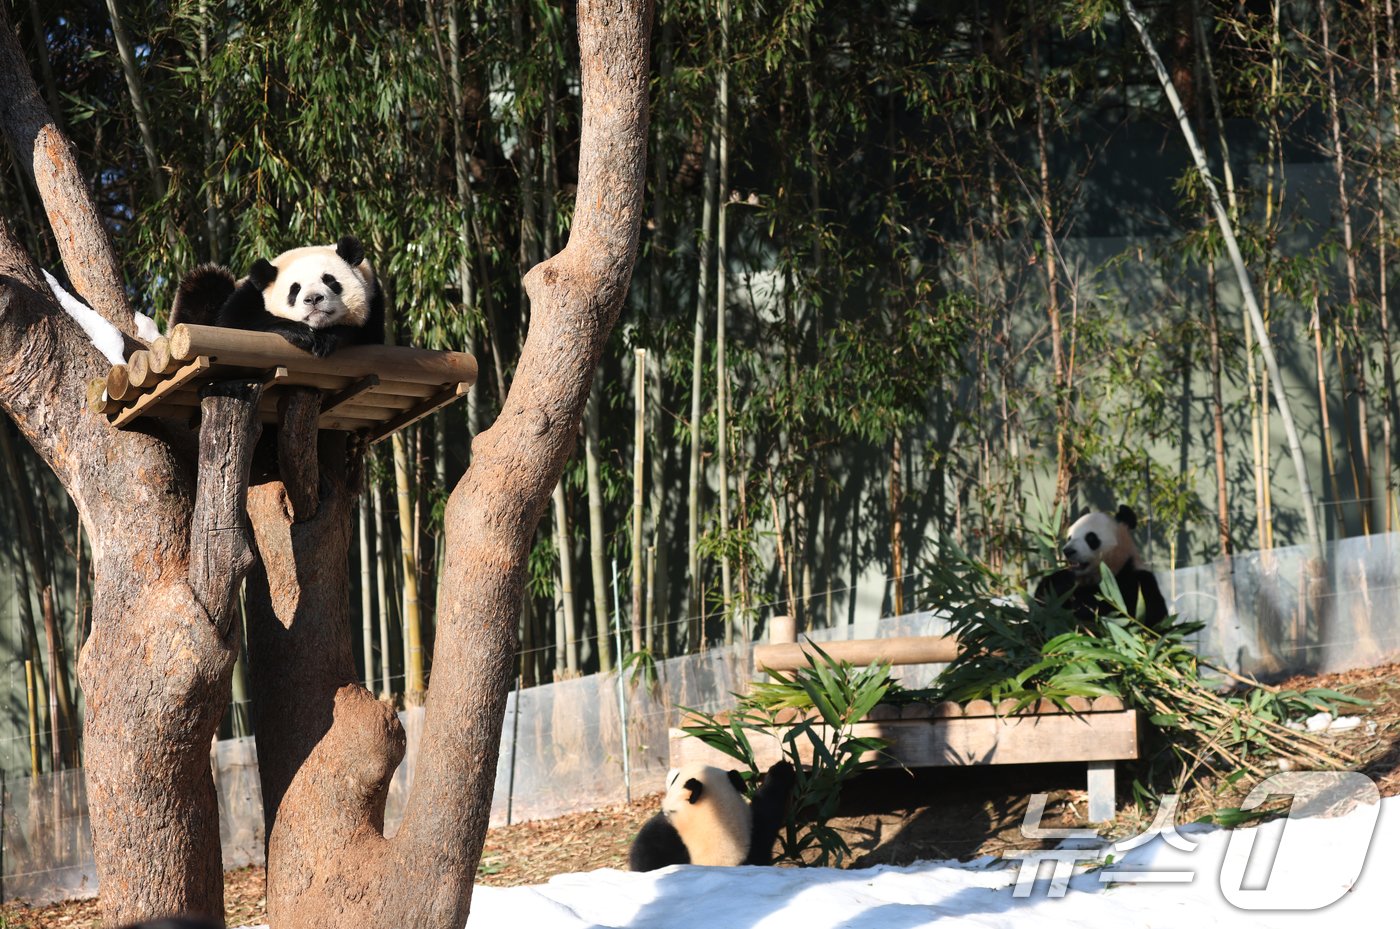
pixel 327 747
pixel 156 665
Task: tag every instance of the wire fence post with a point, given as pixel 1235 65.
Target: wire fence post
pixel 621 688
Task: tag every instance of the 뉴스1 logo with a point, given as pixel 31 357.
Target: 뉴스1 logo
pixel 1246 871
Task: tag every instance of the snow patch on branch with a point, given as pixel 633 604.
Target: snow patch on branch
pixel 146 328
pixel 105 337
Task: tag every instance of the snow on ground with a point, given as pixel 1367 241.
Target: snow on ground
pixel 1296 864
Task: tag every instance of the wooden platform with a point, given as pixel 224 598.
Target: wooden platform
pixel 1097 734
pixel 371 390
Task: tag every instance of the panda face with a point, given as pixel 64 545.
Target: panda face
pixel 709 813
pixel 1096 538
pixel 318 287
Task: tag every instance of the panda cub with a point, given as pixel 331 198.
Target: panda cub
pixel 319 298
pixel 1097 538
pixel 705 819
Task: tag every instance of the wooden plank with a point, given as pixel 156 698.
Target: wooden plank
pixel 346 393
pixel 897 650
pixel 263 349
pixel 1015 739
pixel 935 743
pixel 434 403
pixel 147 402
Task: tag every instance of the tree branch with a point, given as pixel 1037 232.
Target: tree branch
pixel 46 154
pixel 220 553
pixel 299 412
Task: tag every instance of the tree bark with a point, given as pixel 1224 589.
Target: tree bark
pixel 326 746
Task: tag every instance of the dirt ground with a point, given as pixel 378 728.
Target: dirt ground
pixel 888 817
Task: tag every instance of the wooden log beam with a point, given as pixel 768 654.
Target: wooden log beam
pixel 897 650
pixel 161 362
pixel 119 383
pixel 262 349
pixel 298 411
pixel 220 550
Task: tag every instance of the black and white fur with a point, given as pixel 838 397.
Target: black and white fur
pixel 1094 539
pixel 319 298
pixel 705 819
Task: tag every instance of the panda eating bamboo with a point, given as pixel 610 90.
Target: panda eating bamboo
pixel 1094 539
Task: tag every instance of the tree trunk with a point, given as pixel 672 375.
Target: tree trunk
pixel 327 747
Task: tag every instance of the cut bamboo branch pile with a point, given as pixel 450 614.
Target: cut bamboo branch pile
pixel 371 390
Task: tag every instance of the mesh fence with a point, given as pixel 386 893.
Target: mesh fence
pixel 1266 613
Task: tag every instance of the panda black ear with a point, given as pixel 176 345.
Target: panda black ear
pixel 263 273
pixel 1126 516
pixel 350 250
pixel 737 780
pixel 695 789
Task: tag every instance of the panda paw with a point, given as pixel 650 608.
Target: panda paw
pixel 322 344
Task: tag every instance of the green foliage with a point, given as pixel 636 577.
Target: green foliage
pixel 1025 651
pixel 841 695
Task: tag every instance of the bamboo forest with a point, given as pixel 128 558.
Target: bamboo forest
pixel 915 278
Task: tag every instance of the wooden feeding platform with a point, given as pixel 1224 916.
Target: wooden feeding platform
pixel 1097 733
pixel 371 390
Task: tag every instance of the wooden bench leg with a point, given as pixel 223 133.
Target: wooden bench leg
pixel 1102 797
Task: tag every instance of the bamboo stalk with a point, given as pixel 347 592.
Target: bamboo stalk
pixel 381 555
pixel 563 542
pixel 651 601
pixel 366 596
pixel 1307 502
pixel 721 302
pixel 639 378
pixel 58 720
pixel 414 687
pixel 1361 346
pixel 31 700
pixel 596 540
pixel 694 606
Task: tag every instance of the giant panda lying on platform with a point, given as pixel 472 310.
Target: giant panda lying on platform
pixel 1094 539
pixel 325 297
pixel 705 819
